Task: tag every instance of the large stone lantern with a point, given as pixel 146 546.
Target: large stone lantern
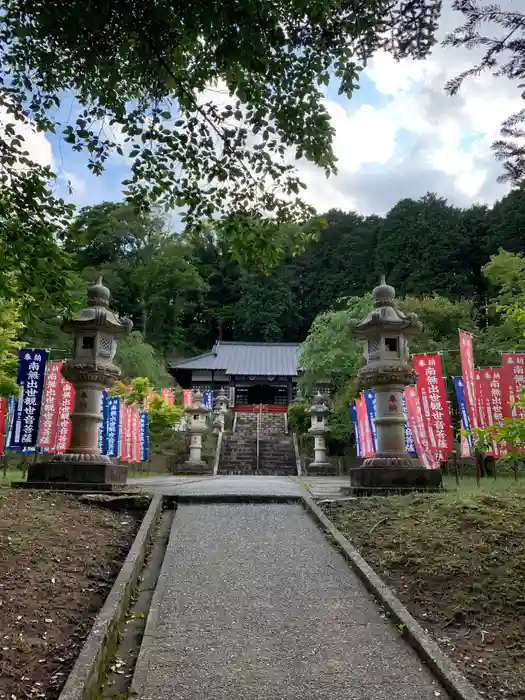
pixel 318 413
pixel 196 417
pixel 95 331
pixel 385 332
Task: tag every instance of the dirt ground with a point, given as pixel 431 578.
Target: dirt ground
pixel 58 560
pixel 457 561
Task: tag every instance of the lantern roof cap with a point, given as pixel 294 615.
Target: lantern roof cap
pixel 197 404
pixel 318 406
pixel 221 396
pixel 385 317
pixel 97 315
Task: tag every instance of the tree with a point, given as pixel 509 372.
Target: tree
pixel 507 223
pixel 430 232
pixel 10 327
pixel 503 55
pixel 329 352
pixel 147 267
pixel 139 359
pixel 339 263
pixel 138 73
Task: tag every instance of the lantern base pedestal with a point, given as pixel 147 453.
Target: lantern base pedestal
pixel 76 475
pixel 370 481
pixel 193 468
pixel 321 469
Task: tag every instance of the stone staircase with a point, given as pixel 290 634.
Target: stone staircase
pixel 276 452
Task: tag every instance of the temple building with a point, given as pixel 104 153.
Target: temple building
pixel 254 373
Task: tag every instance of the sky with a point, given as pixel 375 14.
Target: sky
pixel 399 136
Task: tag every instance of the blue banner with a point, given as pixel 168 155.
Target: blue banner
pixel 370 403
pixel 207 398
pixel 113 409
pixel 459 388
pixel 144 436
pixel 103 428
pixel 23 431
pixel 353 415
pixel 409 438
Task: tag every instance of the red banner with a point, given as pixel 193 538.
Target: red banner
pixel 365 434
pixel 432 396
pixel 467 370
pixel 66 406
pixel 3 422
pixel 490 404
pixel 136 435
pixel 126 452
pixel 168 396
pixel 513 382
pixel 428 455
pixel 188 397
pixel 47 434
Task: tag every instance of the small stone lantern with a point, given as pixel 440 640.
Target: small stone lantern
pixel 384 333
pixel 318 413
pixel 95 332
pixel 221 404
pixel 196 413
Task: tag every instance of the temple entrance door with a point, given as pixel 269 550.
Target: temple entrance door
pixel 261 393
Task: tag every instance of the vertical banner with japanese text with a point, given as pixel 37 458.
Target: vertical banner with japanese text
pixel 367 447
pixel 188 397
pixel 113 426
pixel 433 400
pixel 103 428
pixel 490 404
pixel 50 407
pixel 23 433
pixel 136 434
pixel 409 438
pixel 353 416
pixel 370 403
pixel 3 422
pixel 65 409
pixel 513 382
pixel 428 454
pixel 467 370
pixel 467 446
pixel 207 398
pixel 144 436
pixel 168 396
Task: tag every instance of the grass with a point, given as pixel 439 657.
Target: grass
pixel 468 484
pixel 11 475
pixel 457 561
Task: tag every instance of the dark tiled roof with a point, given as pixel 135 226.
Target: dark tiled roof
pixel 252 359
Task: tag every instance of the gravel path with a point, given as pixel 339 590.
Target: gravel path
pixel 253 603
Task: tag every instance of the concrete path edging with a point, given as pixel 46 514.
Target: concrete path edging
pixel 86 677
pixel 442 667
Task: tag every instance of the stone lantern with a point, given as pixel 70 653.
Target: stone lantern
pixel 95 331
pixel 196 413
pixel 384 333
pixel 221 404
pixel 318 413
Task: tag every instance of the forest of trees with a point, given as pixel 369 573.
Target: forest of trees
pixel 185 291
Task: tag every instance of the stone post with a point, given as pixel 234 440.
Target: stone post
pixel 318 413
pixel 95 331
pixel 384 333
pixel 196 413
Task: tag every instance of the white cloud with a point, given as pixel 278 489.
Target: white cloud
pixel 420 139
pixel 35 142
